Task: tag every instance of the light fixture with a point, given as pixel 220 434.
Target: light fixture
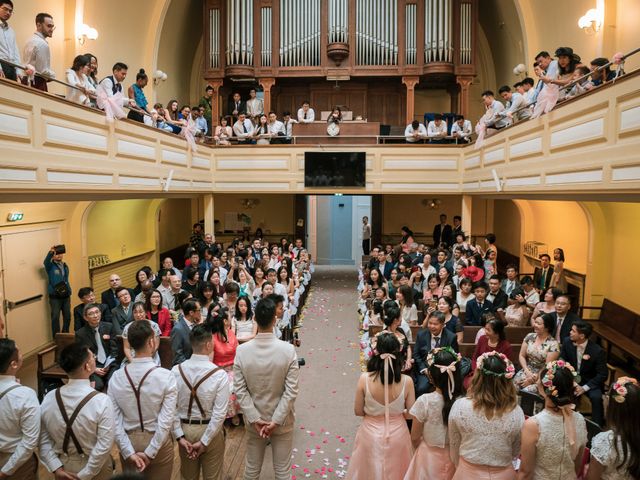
pixel 591 22
pixel 87 33
pixel 520 69
pixel 249 203
pixel 432 203
pixel 159 76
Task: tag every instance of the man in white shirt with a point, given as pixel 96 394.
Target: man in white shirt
pixel 288 124
pixel 306 113
pixel 111 87
pixel 493 118
pixel 530 93
pixel 516 109
pixel 37 53
pixel 278 288
pixel 276 127
pixel 203 397
pixel 8 46
pixel 531 295
pixel 243 129
pixel 165 288
pixel 19 418
pixel 437 129
pixel 223 272
pixel 461 129
pixel 77 422
pixel 144 398
pixel 415 132
pixel 255 106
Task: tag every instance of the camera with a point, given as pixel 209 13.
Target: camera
pixel 58 249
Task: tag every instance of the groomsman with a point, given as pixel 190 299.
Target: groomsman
pixel 144 398
pixel 77 422
pixel 19 418
pixel 203 398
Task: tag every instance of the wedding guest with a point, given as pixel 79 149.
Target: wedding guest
pixel 517 314
pixel 223 132
pixel 553 440
pixel 139 313
pixel 538 348
pixel 548 303
pixel 157 313
pixel 430 415
pixel 38 54
pixel 392 324
pixel 382 447
pixel 245 326
pixel 484 427
pixel 558 279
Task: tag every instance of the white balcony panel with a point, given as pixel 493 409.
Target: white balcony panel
pixel 488 184
pixel 622 174
pixel 472 162
pixel 470 186
pixel 578 133
pixel 180 183
pixel 587 176
pixel 200 162
pixel 246 164
pixel 421 164
pixel 14 125
pixel 139 181
pixel 526 147
pixel 630 118
pixel 74 137
pixel 136 149
pixel 419 186
pixel 494 156
pixel 205 185
pixel 271 186
pixel 17 175
pixel 171 156
pixel 81 178
pixel 523 181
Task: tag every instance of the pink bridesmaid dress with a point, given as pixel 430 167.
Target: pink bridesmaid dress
pixel 382 448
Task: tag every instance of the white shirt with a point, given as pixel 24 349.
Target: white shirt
pixel 78 80
pixel 158 400
pixel 37 54
pixel 579 353
pixel 19 423
pixel 434 130
pixel 276 127
pixel 289 126
pixel 255 107
pixel 8 45
pixel 532 298
pixel 168 297
pixel 223 272
pixel 93 428
pixel 516 103
pixel 213 395
pixel 463 132
pixel 409 131
pixel 107 85
pixel 493 117
pixel 240 131
pixel 311 115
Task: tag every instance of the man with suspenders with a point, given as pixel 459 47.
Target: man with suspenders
pixel 19 419
pixel 77 421
pixel 203 397
pixel 144 396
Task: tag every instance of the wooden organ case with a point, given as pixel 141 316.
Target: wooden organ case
pixel 368 55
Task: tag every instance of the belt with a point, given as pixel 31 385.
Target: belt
pixel 137 430
pixel 195 422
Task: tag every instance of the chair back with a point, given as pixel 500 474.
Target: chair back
pixel 531 403
pixel 592 430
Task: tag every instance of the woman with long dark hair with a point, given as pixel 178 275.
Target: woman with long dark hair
pixel 382 447
pixel 431 459
pixel 558 278
pixel 245 327
pixel 615 454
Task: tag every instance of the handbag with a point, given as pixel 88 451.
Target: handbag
pixel 62 290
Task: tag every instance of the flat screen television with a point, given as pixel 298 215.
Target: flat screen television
pixel 335 169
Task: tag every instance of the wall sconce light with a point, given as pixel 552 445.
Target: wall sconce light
pixel 87 33
pixel 431 203
pixel 520 69
pixel 159 76
pixel 591 22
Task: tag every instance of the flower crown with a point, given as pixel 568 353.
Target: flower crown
pixel 619 389
pixel 509 372
pixel 432 354
pixel 552 367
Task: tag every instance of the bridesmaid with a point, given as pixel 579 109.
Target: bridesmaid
pixel 431 460
pixel 484 427
pixel 382 447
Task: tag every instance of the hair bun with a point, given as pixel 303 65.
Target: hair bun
pixel 141 72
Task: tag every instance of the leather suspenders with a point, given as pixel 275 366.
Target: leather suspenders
pixel 68 434
pixel 194 390
pixel 136 391
pixel 12 387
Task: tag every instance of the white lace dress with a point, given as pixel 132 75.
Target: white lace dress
pixel 603 450
pixel 553 459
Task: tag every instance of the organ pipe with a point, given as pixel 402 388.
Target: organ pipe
pixel 239 32
pixel 214 38
pixel 299 33
pixel 465 34
pixel 438 31
pixel 376 32
pixel 338 21
pixel 411 35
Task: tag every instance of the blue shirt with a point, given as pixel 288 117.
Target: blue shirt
pixel 57 272
pixel 139 97
pixel 201 124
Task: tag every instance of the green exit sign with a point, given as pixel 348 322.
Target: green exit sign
pixel 15 217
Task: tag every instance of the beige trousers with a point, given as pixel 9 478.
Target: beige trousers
pixel 210 462
pixel 160 467
pixel 75 463
pixel 281 445
pixel 27 471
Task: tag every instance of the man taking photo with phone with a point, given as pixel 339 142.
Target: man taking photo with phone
pixel 58 289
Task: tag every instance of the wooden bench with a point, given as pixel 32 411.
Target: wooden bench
pixel 375 329
pixel 467 350
pixel 616 326
pixel 515 335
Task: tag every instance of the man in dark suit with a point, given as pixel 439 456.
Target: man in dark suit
pixel 441 260
pixel 235 106
pixel 442 232
pixel 108 297
pixel 457 228
pixel 496 296
pixel 181 331
pixel 478 306
pixel 87 296
pixel 384 264
pixel 434 336
pixel 590 361
pixel 542 274
pixel 563 318
pixel 100 337
pixel 123 313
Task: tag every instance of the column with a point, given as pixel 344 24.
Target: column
pixel 209 214
pixel 465 212
pixel 411 83
pixel 266 84
pixel 216 109
pixel 463 98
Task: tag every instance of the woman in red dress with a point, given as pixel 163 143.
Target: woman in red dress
pixel 493 339
pixel 157 313
pixel 225 344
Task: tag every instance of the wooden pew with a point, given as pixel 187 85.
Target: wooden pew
pixel 48 368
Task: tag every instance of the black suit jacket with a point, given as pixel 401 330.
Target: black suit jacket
pixel 500 300
pixel 108 297
pixel 119 318
pixel 473 312
pixel 180 342
pixel 566 325
pixel 231 106
pixel 442 234
pixel 593 370
pixel 78 315
pixel 423 346
pixel 537 278
pixel 107 336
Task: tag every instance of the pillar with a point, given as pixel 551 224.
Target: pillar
pixel 463 98
pixel 209 214
pixel 266 84
pixel 216 110
pixel 466 211
pixel 411 83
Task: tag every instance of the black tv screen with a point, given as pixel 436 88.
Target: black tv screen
pixel 334 169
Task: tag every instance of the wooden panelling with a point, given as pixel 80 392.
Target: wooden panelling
pixel 126 268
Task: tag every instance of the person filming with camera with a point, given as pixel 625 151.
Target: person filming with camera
pixel 58 288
